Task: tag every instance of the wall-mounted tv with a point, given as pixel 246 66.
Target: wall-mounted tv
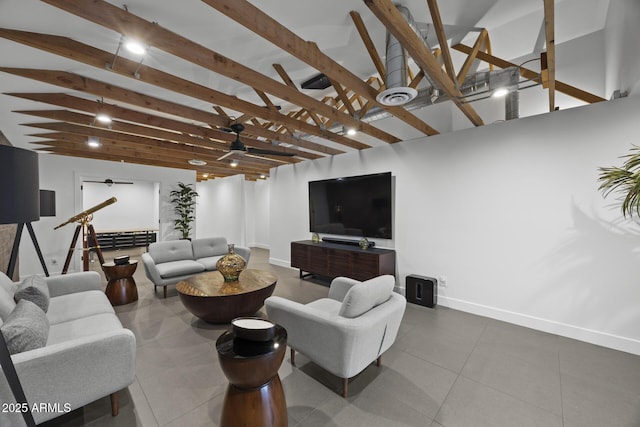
pixel 352 206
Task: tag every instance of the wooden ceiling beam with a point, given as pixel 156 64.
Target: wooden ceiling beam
pixel 342 96
pixel 89 55
pixel 287 80
pixel 146 131
pixel 442 38
pixel 116 112
pixel 262 24
pixel 368 43
pixel 549 73
pixel 565 88
pixel 150 152
pixel 128 24
pixel 468 62
pixel 395 23
pixel 142 161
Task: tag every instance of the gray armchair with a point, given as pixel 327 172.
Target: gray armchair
pixel 347 331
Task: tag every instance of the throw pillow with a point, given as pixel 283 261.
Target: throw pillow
pixel 26 328
pixel 34 289
pixel 7 303
pixel 366 295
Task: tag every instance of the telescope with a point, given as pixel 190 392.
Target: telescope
pixel 84 215
pixel 83 219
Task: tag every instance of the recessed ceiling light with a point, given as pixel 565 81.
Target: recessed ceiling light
pixel 103 118
pixel 205 175
pixel 351 131
pixel 93 142
pixel 197 162
pixel 135 47
pixel 500 92
pixel 263 176
pixel 234 163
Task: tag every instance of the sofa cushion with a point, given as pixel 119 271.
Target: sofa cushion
pixel 209 263
pixel 34 289
pixel 172 250
pixel 84 327
pixel 364 296
pixel 178 268
pixel 210 246
pixel 26 328
pixel 77 305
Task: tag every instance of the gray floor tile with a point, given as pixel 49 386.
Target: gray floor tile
pixel 536 385
pixel 605 365
pixel 475 405
pixel 589 402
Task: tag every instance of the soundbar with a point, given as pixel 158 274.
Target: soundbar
pixel 346 241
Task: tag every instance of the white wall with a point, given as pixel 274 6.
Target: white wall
pixel 220 209
pixel 64 176
pixel 137 206
pixel 509 213
pixel 622 33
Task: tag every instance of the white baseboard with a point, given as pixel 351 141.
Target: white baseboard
pixel 280 262
pixel 570 331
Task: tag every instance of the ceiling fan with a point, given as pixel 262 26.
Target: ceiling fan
pixel 238 147
pixel 110 182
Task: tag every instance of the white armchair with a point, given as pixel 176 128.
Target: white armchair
pixel 347 331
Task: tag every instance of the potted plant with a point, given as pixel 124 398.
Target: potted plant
pixel 626 181
pixel 184 200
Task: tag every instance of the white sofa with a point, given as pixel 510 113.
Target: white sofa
pixel 347 331
pixel 87 356
pixel 167 263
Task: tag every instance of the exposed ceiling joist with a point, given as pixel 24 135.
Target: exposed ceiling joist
pixel 391 18
pixel 128 24
pixel 89 55
pixel 565 88
pixel 549 72
pixel 262 24
pixel 442 38
pixel 368 43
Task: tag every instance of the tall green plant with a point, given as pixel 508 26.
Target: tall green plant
pixel 625 181
pixel 184 201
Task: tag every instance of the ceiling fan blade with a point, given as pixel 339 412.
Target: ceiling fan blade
pixel 224 156
pixel 268 152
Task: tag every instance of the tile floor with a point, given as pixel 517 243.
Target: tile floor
pixel 447 369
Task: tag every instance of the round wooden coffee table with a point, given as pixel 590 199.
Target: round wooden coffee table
pixel 210 298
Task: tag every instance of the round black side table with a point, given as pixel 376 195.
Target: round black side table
pixel 254 395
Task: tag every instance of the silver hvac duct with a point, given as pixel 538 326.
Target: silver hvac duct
pixel 480 85
pixel 397 91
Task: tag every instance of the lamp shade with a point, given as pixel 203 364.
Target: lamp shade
pixel 19 185
pixel 47 203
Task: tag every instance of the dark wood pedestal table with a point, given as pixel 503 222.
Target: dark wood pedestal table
pixel 121 288
pixel 254 396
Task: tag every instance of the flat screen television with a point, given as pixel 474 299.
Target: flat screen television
pixel 352 206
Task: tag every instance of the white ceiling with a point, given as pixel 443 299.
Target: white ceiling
pixel 515 27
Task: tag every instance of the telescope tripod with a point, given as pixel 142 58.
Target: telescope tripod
pixel 85 226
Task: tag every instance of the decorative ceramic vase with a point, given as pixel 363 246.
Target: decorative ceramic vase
pixel 315 238
pixel 231 265
pixel 364 243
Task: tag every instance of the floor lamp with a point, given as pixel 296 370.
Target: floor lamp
pixel 20 195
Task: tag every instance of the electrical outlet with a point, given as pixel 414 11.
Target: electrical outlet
pixel 442 281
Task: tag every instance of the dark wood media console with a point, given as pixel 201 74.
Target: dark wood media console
pixel 332 260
